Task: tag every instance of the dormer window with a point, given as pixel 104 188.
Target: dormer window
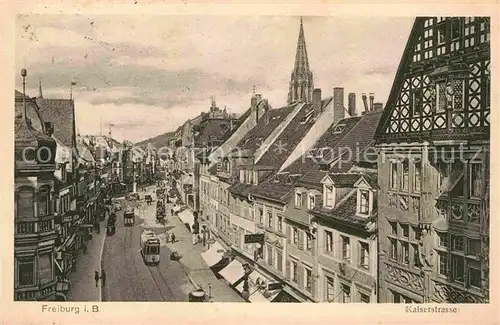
pixel 311 202
pixel 298 200
pixel 364 202
pixel 328 191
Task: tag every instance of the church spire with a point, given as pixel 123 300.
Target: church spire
pixel 40 95
pixel 301 83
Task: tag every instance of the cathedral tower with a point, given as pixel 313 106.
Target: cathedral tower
pixel 301 83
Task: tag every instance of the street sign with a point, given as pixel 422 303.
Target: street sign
pixel 254 238
pixel 274 286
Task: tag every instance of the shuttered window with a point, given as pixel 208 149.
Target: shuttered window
pixel 45 268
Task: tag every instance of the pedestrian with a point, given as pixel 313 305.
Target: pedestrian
pixel 96 277
pixel 173 238
pixel 172 212
pixel 103 278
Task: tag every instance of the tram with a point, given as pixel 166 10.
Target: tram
pixel 110 227
pixel 150 248
pixel 129 217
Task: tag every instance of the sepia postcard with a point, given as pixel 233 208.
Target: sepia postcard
pixel 321 162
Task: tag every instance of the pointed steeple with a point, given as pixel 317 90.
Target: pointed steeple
pixel 40 95
pixel 301 83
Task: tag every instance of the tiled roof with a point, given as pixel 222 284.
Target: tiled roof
pixel 271 190
pixel 372 179
pixel 291 136
pixel 358 139
pixel 345 213
pixel 236 124
pixel 241 189
pixel 32 110
pixel 61 113
pixel 211 128
pixel 328 140
pixel 265 126
pixel 312 178
pixel 344 179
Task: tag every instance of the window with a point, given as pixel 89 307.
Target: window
pixel 346 293
pixel 328 242
pixel 405 254
pixel 455 29
pixel 475 180
pixel 329 199
pixel 394 249
pixel 279 261
pixel 25 206
pixel 399 298
pixel 261 216
pixel 441 38
pixel 457 268
pixel 441 102
pixel 443 264
pixel 270 256
pixel 346 249
pixel 295 235
pixel 270 220
pixel 416 257
pixel 329 292
pixel 43 203
pixel 312 201
pixel 457 243
pixel 298 200
pixel 404 176
pixel 364 206
pixel 309 242
pixel 364 298
pixel 364 254
pixel 26 271
pixel 394 175
pixel 308 278
pixel 416 102
pixel 405 231
pixel 417 233
pixel 473 247
pixel 417 177
pixel 474 276
pixel 394 228
pixel 280 223
pixel 442 239
pixel 294 269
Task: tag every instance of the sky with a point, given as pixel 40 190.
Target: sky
pixel 146 75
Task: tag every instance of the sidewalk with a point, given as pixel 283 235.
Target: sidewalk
pixel 197 270
pixel 83 286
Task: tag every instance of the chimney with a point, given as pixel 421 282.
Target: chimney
pixel 317 102
pixel 378 106
pixel 338 104
pixel 372 98
pixel 351 104
pixel 254 102
pixel 365 103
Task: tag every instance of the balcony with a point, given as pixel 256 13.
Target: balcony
pixel 47 292
pixel 34 227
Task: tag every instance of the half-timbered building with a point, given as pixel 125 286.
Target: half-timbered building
pixel 433 166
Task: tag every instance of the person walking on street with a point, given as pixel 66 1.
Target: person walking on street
pixel 103 278
pixel 96 277
pixel 173 238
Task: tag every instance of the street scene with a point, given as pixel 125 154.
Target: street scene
pixel 295 160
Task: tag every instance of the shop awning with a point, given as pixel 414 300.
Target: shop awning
pixel 213 255
pixel 187 217
pixel 257 285
pixel 176 208
pixel 233 272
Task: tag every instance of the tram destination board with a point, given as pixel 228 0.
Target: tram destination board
pixel 254 238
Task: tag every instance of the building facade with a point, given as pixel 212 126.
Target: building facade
pixel 434 166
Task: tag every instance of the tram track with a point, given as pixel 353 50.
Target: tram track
pixel 128 232
pixel 164 282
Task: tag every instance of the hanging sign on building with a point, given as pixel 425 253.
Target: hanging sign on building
pixel 274 286
pixel 254 238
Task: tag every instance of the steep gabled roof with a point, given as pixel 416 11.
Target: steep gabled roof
pixel 211 128
pixel 265 126
pixel 289 138
pixel 61 112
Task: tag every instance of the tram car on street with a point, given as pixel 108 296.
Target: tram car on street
pixel 148 199
pixel 129 217
pixel 111 227
pixel 150 247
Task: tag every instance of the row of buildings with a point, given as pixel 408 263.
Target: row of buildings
pixel 62 180
pixel 390 205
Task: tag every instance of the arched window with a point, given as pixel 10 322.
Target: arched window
pixel 43 202
pixel 24 203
